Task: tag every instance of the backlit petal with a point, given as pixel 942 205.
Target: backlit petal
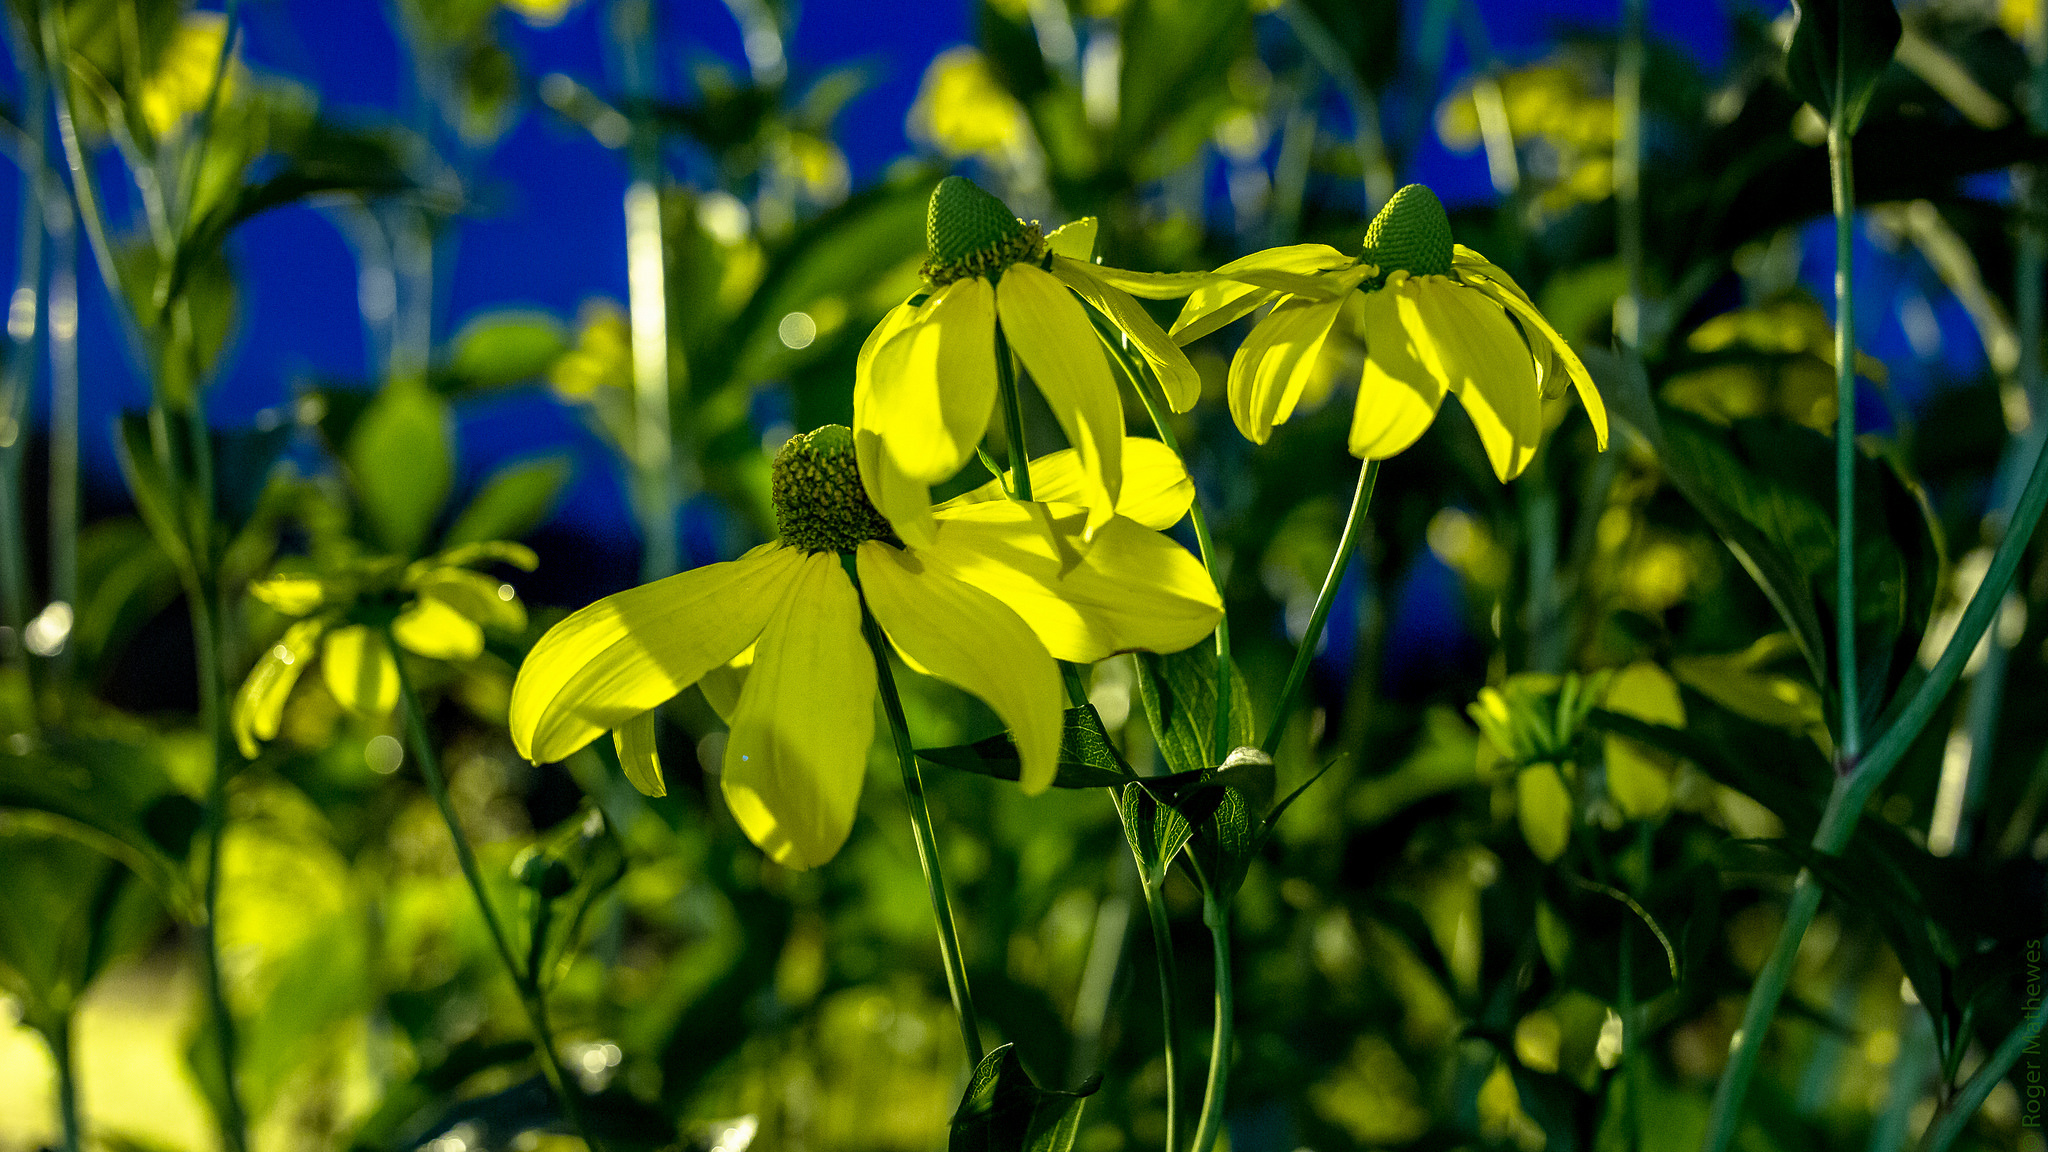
pixel 1398 396
pixel 1157 491
pixel 798 751
pixel 1075 239
pixel 969 639
pixel 1151 285
pixel 722 685
pixel 638 757
pixel 291 593
pixel 431 628
pixel 1269 372
pixel 905 503
pixel 484 599
pixel 1515 301
pixel 260 703
pixel 1221 299
pixel 358 669
pixel 1177 377
pixel 931 387
pixel 1467 342
pixel 1051 334
pixel 632 650
pixel 1134 589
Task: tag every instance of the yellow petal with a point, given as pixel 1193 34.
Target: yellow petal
pixel 1466 343
pixel 1053 337
pixel 432 629
pixel 798 751
pixel 722 685
pixel 1157 491
pixel 630 651
pixel 1133 589
pixel 1074 240
pixel 260 703
pixel 1647 692
pixel 1398 396
pixel 1515 301
pixel 1543 807
pixel 1152 285
pixel 904 502
pixel 1177 378
pixel 358 668
pixel 931 387
pixel 1275 363
pixel 1224 299
pixel 969 639
pixel 638 756
pixel 290 593
pixel 895 320
pixel 1639 784
pixel 478 552
pixel 484 599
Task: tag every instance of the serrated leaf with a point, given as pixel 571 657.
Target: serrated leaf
pixel 402 464
pixel 1838 52
pixel 515 500
pixel 1178 692
pixel 1003 1111
pixel 1087 759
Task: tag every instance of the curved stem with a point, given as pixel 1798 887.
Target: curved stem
pixel 1361 501
pixel 1169 1001
pixel 1013 419
pixel 1217 916
pixel 921 828
pixel 1842 181
pixel 525 981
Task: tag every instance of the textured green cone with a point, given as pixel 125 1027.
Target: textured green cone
pixel 968 232
pixel 1411 233
pixel 819 503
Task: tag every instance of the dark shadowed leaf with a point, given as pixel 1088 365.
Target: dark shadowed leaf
pixel 1087 758
pixel 1003 1111
pixel 513 502
pixel 1839 50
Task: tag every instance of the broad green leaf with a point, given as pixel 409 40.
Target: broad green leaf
pixel 1003 1111
pixel 505 347
pixel 1179 695
pixel 1839 50
pixel 109 795
pixel 513 502
pixel 402 463
pixel 1087 759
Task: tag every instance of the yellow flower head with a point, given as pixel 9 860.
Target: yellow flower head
pixel 925 386
pixel 1435 317
pixel 437 607
pixel 987 606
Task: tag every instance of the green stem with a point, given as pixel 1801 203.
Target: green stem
pixel 1841 180
pixel 1142 385
pixel 526 982
pixel 921 828
pixel 19 378
pixel 1013 419
pixel 59 1036
pixel 1628 171
pixel 1956 1114
pixel 1217 917
pixel 1361 501
pixel 1169 998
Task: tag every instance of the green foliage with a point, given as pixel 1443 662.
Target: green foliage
pixel 1087 758
pixel 1004 1111
pixel 1839 51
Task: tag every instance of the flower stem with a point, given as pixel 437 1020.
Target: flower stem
pixel 59 1036
pixel 1956 1113
pixel 1361 501
pixel 526 982
pixel 921 828
pixel 1216 915
pixel 1842 182
pixel 19 377
pixel 1013 419
pixel 1169 998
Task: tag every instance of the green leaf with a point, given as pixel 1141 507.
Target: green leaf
pixel 1153 823
pixel 1179 695
pixel 108 795
pixel 515 500
pixel 402 464
pixel 156 497
pixel 1839 50
pixel 1003 1111
pixel 70 912
pixel 1087 759
pixel 562 874
pixel 505 347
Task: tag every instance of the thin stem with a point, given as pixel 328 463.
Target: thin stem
pixel 1764 995
pixel 199 594
pixel 1013 419
pixel 59 1036
pixel 1628 172
pixel 1956 1114
pixel 19 379
pixel 1169 999
pixel 1842 182
pixel 921 829
pixel 1361 501
pixel 525 981
pixel 64 427
pixel 1217 916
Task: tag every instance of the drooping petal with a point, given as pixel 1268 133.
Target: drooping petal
pixel 259 706
pixel 1398 396
pixel 630 651
pixel 1515 301
pixel 1057 344
pixel 931 387
pixel 484 599
pixel 969 639
pixel 1223 298
pixel 722 685
pixel 1269 372
pixel 431 628
pixel 1466 341
pixel 638 756
pixel 1074 240
pixel 1133 589
pixel 1177 378
pixel 1157 491
pixel 798 751
pixel 905 503
pixel 358 669
pixel 291 593
pixel 1152 285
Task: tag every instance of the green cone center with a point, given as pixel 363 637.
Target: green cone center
pixel 1411 233
pixel 968 232
pixel 819 503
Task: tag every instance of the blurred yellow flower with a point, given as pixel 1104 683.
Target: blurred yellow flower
pixel 1777 357
pixel 926 382
pixel 184 75
pixel 437 608
pixel 987 606
pixel 1435 318
pixel 963 110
